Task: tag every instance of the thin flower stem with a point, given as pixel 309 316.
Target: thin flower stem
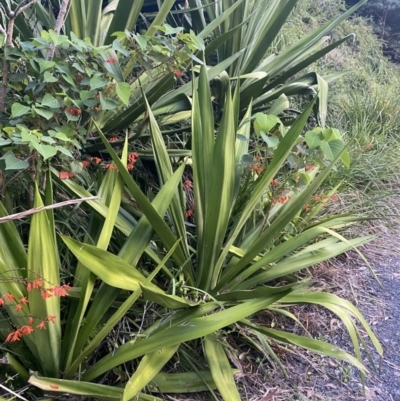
pixel 21 215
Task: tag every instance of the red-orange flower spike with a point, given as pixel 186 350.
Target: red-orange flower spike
pixel 111 60
pixel 71 175
pixel 113 139
pixel 2 302
pixel 334 198
pixel 29 287
pixel 130 167
pixel 178 73
pixel 274 183
pixel 30 320
pixel 85 164
pixel 23 300
pixel 19 307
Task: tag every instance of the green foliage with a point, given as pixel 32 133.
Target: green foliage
pixel 54 101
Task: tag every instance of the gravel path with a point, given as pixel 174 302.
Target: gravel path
pixel 387 327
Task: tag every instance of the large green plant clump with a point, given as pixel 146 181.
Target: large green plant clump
pixel 240 263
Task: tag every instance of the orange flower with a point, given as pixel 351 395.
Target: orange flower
pixel 51 319
pixel 188 185
pixel 30 320
pixel 130 167
pixel 189 213
pixel 26 330
pixel 23 300
pixel 10 297
pixel 85 164
pixel 13 336
pixel 334 198
pixel 37 283
pixel 63 175
pixel 19 307
pixel 71 175
pixel 97 160
pixel 178 73
pixel 61 291
pixel 283 199
pixel 2 302
pixel 110 166
pixel 29 287
pixel 113 139
pixel 45 294
pixel 111 60
pixel 132 157
pixel 41 325
pixel 274 183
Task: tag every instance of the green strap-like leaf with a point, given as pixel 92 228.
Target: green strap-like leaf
pixel 317 346
pixel 148 368
pixel 43 264
pixel 92 390
pixel 220 368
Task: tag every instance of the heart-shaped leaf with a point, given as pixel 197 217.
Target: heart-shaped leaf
pixel 18 110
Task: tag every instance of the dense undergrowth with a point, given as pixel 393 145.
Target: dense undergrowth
pixel 205 187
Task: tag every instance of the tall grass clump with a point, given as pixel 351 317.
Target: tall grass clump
pixel 364 103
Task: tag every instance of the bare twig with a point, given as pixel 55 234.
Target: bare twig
pixel 59 23
pixel 23 6
pixel 13 393
pixel 18 216
pixel 10 30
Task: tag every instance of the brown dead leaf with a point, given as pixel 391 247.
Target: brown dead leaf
pixel 270 395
